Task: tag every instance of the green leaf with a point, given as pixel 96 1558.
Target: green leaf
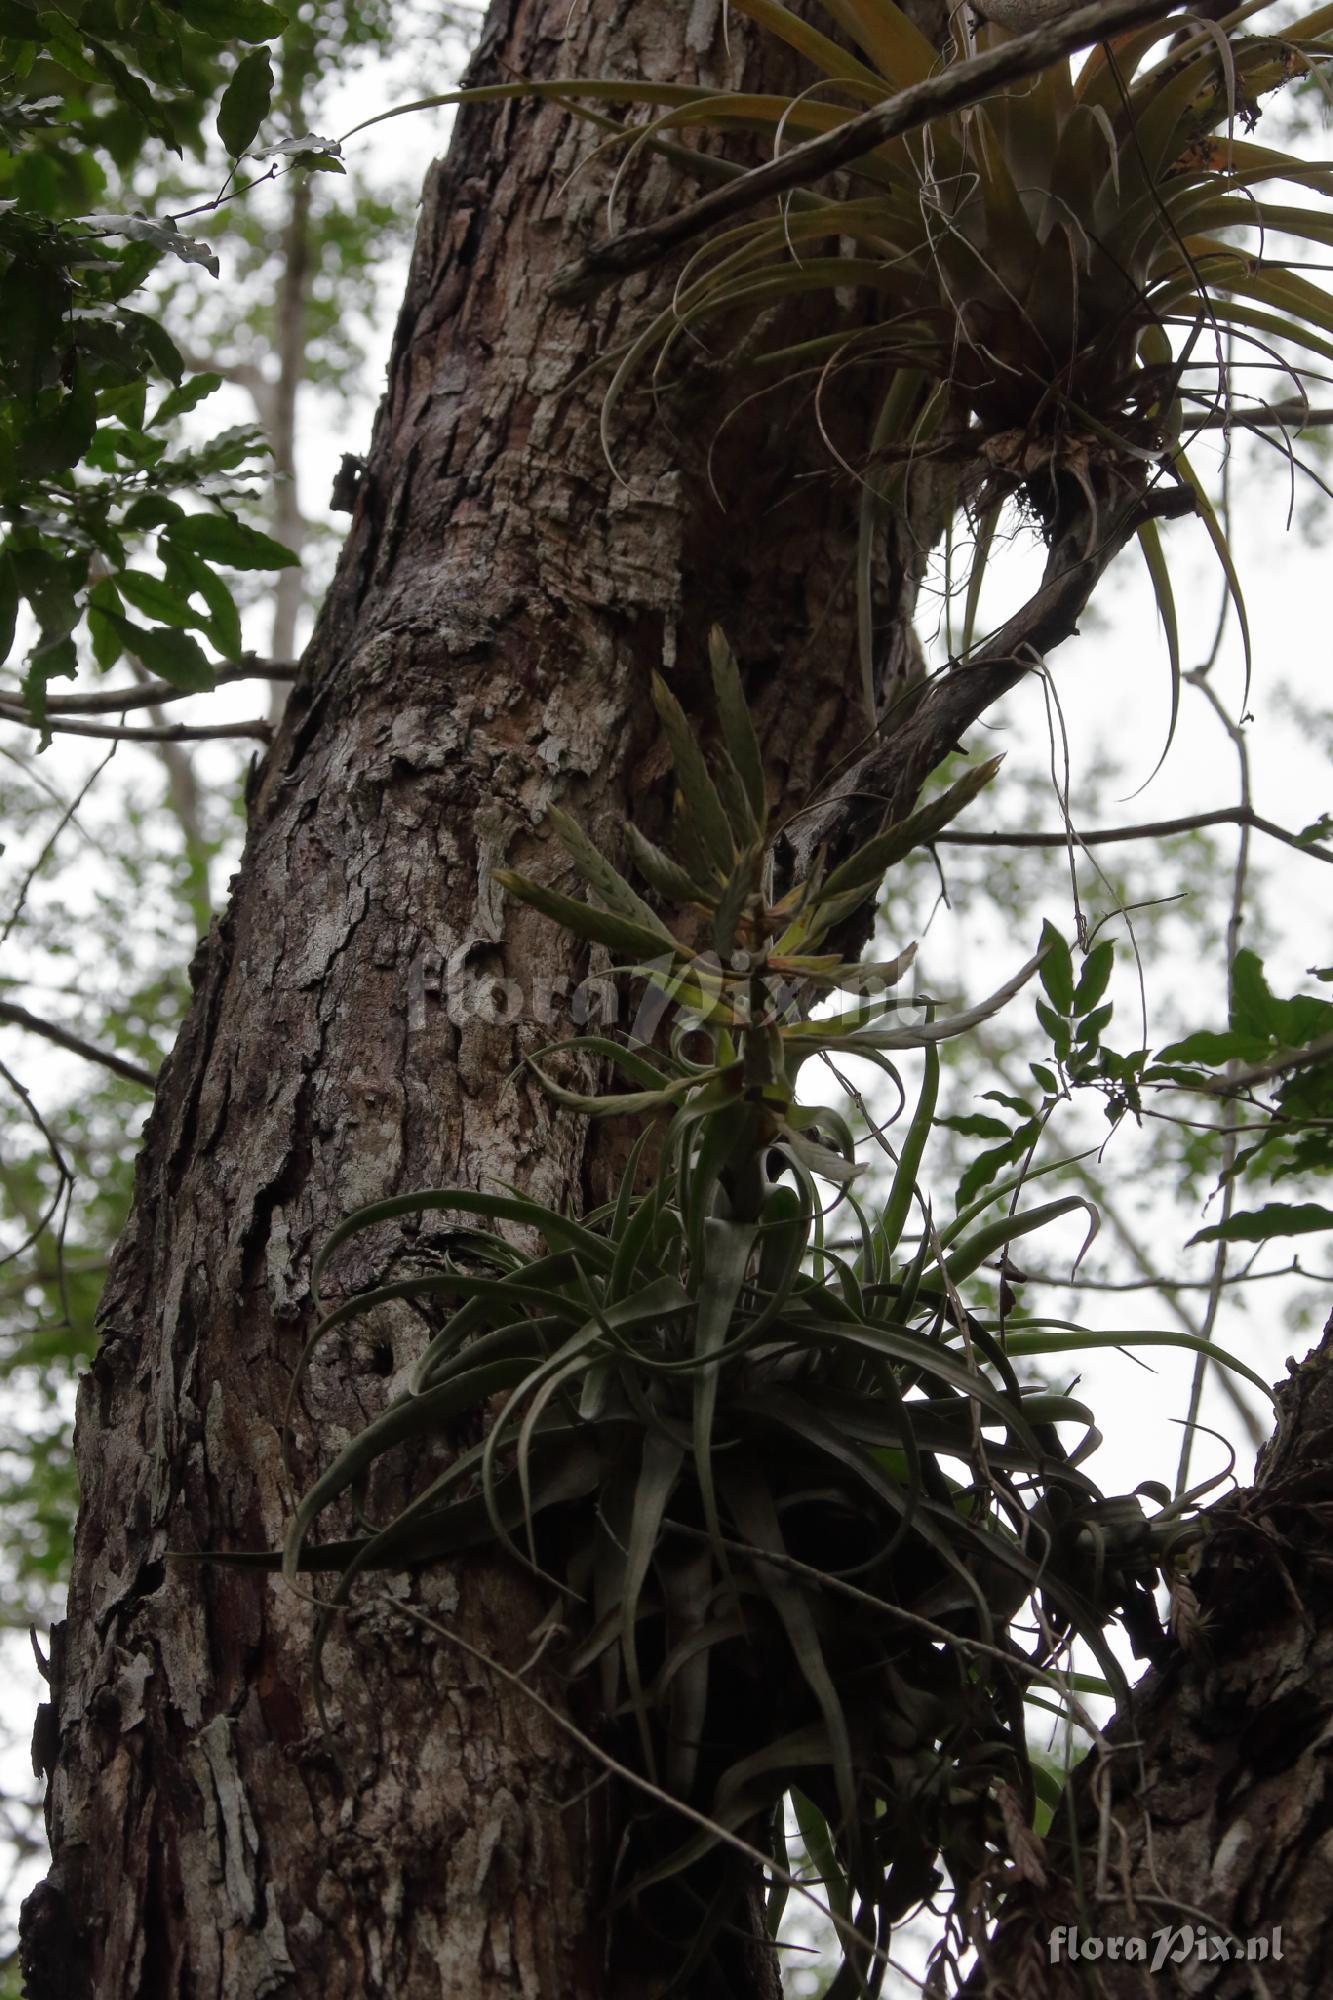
pixel 1150 541
pixel 1057 1338
pixel 1255 1009
pixel 223 624
pixel 154 598
pixel 600 876
pixel 976 1126
pixel 55 659
pixel 994 1236
pixel 890 1224
pixel 152 510
pixel 105 636
pixel 826 55
pixel 988 522
pixel 727 1247
pixel 896 46
pixel 865 869
pixel 177 401
pixel 1215 1049
pixel 752 1505
pixel 739 887
pixel 1090 1027
pixel 9 603
pixel 982 1170
pixel 1056 971
pixel 163 236
pixel 672 882
pixel 1222 548
pixel 823 1858
pixel 662 1459
pixel 1094 978
pixel 245 101
pixel 1278 1218
pixel 157 343
pixel 737 726
pixel 586 920
pixel 221 538
pixel 173 655
pixel 696 787
pixel 19 23
pixel 1057 1027
pixel 57 437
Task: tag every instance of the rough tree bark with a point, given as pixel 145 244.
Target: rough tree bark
pixel 484 653
pixel 1211 1813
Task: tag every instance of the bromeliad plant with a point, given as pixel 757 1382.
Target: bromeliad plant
pixel 1055 284
pixel 807 1531
pixel 1051 288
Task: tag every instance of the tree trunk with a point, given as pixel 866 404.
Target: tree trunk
pixel 357 1020
pixel 484 653
pixel 1204 1827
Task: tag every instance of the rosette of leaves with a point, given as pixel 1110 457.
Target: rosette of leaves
pixel 1030 250
pixel 1054 282
pixel 790 1495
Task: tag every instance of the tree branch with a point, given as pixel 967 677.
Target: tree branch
pixel 930 718
pixel 1294 415
pixel 170 732
pixel 961 84
pixel 65 1038
pixel 153 694
pixel 1171 1285
pixel 1149 830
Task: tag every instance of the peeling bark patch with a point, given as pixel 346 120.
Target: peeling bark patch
pixel 231 1838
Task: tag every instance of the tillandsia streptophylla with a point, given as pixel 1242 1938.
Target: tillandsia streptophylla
pixel 809 1535
pixel 1054 285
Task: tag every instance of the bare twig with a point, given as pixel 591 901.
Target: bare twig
pixel 951 89
pixel 1149 830
pixel 155 694
pixel 65 1038
pixel 59 1201
pixel 1294 415
pixel 48 846
pixel 1158 1284
pixel 169 732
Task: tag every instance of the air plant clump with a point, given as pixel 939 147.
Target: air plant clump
pixel 1056 283
pixel 808 1534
